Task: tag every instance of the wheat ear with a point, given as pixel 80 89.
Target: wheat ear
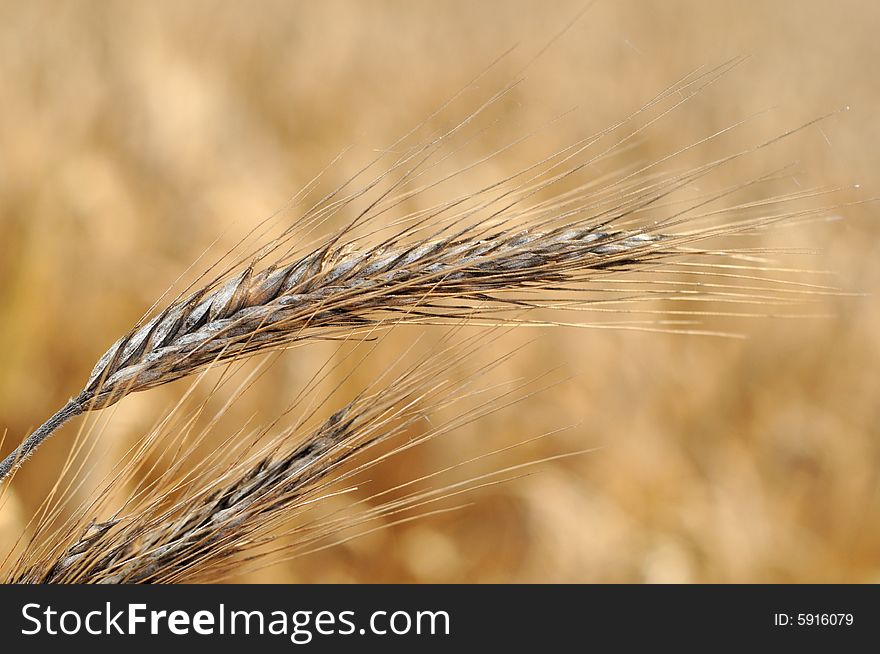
pixel 190 528
pixel 455 260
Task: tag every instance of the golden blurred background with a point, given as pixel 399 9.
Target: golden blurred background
pixel 134 134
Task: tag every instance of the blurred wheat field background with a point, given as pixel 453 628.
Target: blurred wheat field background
pixel 132 135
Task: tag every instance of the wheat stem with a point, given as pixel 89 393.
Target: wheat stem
pixel 19 455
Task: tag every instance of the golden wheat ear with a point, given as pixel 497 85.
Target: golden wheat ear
pixel 463 258
pixel 196 523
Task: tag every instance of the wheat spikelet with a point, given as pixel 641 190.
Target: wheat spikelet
pixel 329 291
pixel 192 527
pixel 459 259
pixel 203 530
